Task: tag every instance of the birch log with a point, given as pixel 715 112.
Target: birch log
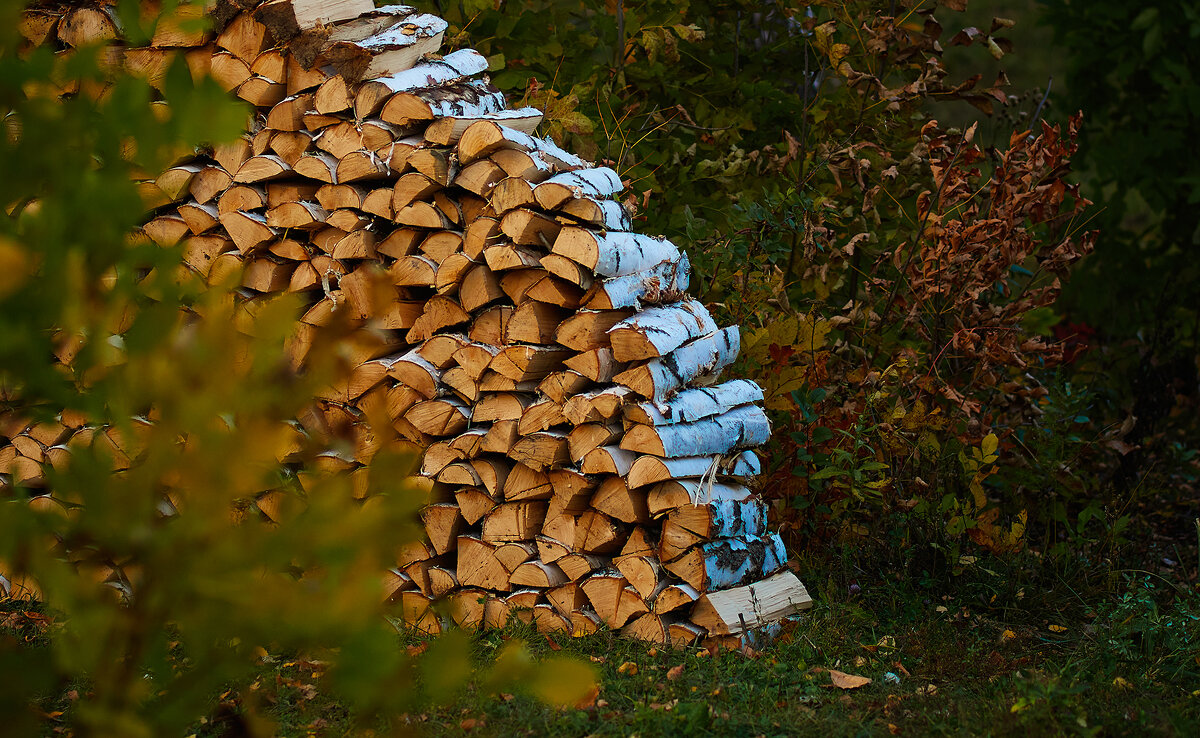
pixel 666 280
pixel 666 496
pixel 729 562
pixel 735 611
pixel 389 51
pixel 645 470
pixel 696 404
pixel 490 135
pixel 657 331
pixel 595 182
pixel 613 254
pixel 742 427
pixel 453 67
pixel 658 379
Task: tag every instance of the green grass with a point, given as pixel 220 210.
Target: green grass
pixel 1006 647
pixel 958 663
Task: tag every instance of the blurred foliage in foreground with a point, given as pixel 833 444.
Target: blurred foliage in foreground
pixel 164 584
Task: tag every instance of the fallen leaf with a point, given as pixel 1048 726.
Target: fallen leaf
pixel 553 644
pixel 589 701
pixel 597 659
pixel 842 680
pixel 506 697
pixel 1122 683
pixel 893 729
pixel 628 667
pixel 675 672
pixel 1057 629
pixel 1007 635
pixel 418 650
pixel 470 724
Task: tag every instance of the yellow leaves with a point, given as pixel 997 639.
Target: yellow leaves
pixel 1057 629
pixel 16 266
pixel 1122 683
pixel 563 681
pixel 629 668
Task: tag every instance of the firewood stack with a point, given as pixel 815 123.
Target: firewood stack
pixel 586 466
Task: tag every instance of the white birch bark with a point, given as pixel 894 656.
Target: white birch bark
pixel 614 253
pixel 611 215
pixel 595 182
pixel 750 607
pixel 703 357
pixel 669 278
pixel 510 138
pixel 666 496
pixel 731 562
pixel 742 466
pixel 745 426
pixel 413 30
pixel 452 67
pixel 524 120
pixel 486 100
pixel 723 518
pixel 696 404
pixel 660 330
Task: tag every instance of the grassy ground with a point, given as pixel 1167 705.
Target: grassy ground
pixel 1006 650
pixel 1004 647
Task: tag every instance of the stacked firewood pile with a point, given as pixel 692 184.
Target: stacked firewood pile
pixel 587 466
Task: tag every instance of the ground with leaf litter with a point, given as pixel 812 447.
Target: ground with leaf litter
pixel 1011 649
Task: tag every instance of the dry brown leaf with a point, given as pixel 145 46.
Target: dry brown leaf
pixel 675 672
pixel 842 680
pixel 589 701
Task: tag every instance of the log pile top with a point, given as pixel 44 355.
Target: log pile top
pixel 585 463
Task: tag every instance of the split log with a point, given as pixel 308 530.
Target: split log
pixel 613 254
pixel 645 575
pixel 608 215
pixel 615 499
pixel 729 562
pixel 526 483
pixel 587 330
pixel 478 567
pixel 645 470
pixel 608 460
pixel 744 426
pixel 747 608
pixel 657 331
pixel 704 357
pixel 487 136
pixel 539 574
pixel 667 496
pixel 690 525
pixel 674 597
pixel 665 281
pixel 648 627
pixel 595 182
pixel 473 97
pixel 692 405
pixel 514 521
pixel 388 52
pixel 541 450
pixel 449 130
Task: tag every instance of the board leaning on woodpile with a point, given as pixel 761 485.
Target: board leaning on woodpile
pixel 584 464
